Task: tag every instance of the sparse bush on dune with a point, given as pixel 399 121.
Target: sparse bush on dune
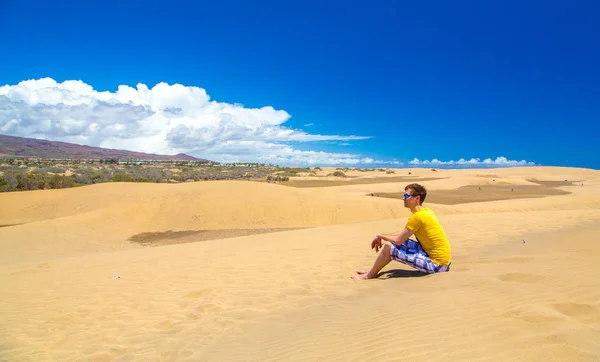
pixel 149 174
pixel 119 177
pixel 291 171
pixel 177 177
pixel 11 180
pixel 3 183
pixel 277 178
pixel 339 174
pixel 27 181
pixel 60 182
pixel 82 179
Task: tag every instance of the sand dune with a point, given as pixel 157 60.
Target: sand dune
pixel 77 225
pixel 287 295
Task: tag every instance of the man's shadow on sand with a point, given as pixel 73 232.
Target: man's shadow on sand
pixel 400 273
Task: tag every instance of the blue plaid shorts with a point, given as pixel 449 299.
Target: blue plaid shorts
pixel 412 254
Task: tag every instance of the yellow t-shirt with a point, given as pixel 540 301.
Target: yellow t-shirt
pixel 430 234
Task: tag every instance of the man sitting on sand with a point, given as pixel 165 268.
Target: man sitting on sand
pixel 430 253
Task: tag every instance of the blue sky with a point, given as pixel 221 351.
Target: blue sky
pixel 409 80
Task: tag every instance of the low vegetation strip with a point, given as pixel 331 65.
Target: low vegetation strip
pixel 24 174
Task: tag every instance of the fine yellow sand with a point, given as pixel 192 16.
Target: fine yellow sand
pixel 240 270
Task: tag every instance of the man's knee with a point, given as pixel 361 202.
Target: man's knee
pixel 387 246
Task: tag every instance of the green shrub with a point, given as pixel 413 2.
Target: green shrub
pixel 119 177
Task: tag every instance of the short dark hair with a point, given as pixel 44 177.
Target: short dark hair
pixel 418 190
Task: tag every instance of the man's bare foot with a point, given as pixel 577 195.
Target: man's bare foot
pixel 362 271
pixel 359 276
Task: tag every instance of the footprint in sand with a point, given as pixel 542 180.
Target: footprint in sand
pixel 191 299
pixel 520 278
pixel 534 314
pixel 40 268
pixel 585 313
pixel 580 311
pixel 198 294
pixel 165 325
pixel 516 260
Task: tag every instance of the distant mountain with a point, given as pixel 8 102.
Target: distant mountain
pixel 11 146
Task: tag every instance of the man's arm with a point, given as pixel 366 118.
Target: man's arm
pixel 396 238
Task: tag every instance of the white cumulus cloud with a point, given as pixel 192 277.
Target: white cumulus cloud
pixel 164 119
pixel 473 162
pixel 170 119
pixel 274 153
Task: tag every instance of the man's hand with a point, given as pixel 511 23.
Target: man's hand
pixel 376 243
